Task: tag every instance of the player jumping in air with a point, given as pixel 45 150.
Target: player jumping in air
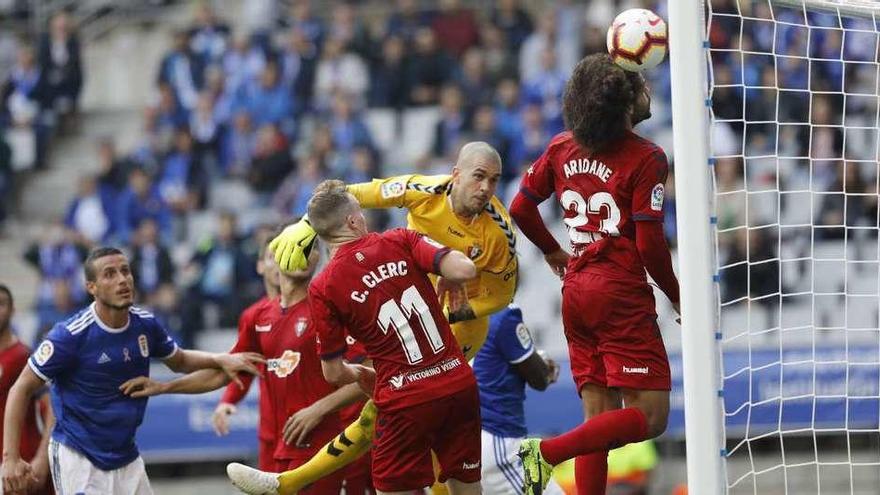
pixel 376 289
pixel 610 184
pixel 87 358
pixel 458 210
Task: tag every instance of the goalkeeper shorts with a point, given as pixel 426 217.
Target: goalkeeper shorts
pixel 612 333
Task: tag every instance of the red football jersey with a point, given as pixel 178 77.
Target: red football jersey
pixel 377 290
pixel 602 195
pixel 12 360
pixel 233 394
pixel 294 380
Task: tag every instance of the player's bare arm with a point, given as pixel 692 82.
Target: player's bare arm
pixel 300 424
pixel 197 382
pixel 187 361
pixel 457 268
pixel 16 472
pixel 538 371
pixel 40 462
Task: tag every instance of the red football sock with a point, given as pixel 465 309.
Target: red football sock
pixel 603 432
pixel 591 473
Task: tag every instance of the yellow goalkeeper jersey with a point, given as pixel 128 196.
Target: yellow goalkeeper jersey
pixel 489 240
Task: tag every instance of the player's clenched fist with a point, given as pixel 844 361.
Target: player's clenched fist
pixel 293 246
pixel 17 475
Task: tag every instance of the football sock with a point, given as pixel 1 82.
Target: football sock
pixel 437 488
pixel 591 473
pixel 603 432
pixel 349 445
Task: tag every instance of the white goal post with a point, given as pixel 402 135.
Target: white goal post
pixel 801 338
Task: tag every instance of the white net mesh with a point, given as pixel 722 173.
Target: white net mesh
pixel 794 96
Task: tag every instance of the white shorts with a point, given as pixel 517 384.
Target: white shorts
pixel 73 474
pixel 502 469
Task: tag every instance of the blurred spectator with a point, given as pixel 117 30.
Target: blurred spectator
pixel 221 99
pixel 302 20
pixel 25 98
pixel 346 27
pixel 271 162
pixel 141 200
pixel 208 35
pixel 6 178
pixel 407 19
pixel 58 257
pixel 547 37
pixel 182 71
pixel 485 128
pixel 500 62
pixel 510 17
pixel 455 27
pixel 508 108
pixel 299 61
pixel 545 86
pixel 61 306
pixel 181 182
pixel 89 213
pixel 293 195
pixel 151 262
pixel 59 56
pixel 349 130
pixel 851 203
pixel 429 69
pixel 112 171
pixel 238 145
pixel 267 100
pixel 452 124
pixel 243 63
pixel 526 147
pixel 475 85
pixel 339 70
pixel 169 115
pixel 389 85
pixel 206 131
pixel 363 166
pixel 221 269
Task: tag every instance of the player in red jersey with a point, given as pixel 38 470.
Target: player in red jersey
pixel 304 406
pixel 13 358
pixel 234 394
pixel 610 184
pixel 376 289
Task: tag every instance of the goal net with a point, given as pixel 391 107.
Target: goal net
pixel 793 92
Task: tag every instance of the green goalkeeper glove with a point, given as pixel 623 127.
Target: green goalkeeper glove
pixel 293 246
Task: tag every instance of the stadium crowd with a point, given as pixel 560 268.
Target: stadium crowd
pixel 279 103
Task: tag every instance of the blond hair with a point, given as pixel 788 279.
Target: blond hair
pixel 329 207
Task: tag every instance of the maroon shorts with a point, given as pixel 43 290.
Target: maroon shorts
pixel 612 333
pixel 265 457
pixel 450 426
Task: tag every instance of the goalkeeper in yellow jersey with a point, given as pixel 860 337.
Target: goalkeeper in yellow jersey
pixel 459 211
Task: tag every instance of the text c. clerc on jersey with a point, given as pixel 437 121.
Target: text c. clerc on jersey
pixel 372 279
pixel 587 166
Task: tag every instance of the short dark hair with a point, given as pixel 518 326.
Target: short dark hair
pixel 329 206
pixel 96 254
pixel 5 289
pixel 598 98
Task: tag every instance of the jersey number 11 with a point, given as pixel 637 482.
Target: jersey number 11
pixel 396 315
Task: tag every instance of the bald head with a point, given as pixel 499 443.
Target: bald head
pixel 475 178
pixel 478 153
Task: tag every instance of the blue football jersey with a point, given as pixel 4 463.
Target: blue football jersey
pixel 502 389
pixel 86 361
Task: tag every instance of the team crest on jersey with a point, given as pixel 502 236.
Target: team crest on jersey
pixel 393 189
pixel 523 335
pixel 284 365
pixel 475 251
pixel 143 345
pixel 44 352
pixel 657 197
pixel 350 340
pixel 301 325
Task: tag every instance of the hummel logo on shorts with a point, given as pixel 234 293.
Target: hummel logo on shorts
pixel 475 465
pixel 640 371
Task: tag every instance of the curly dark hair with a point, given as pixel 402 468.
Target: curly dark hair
pixel 597 100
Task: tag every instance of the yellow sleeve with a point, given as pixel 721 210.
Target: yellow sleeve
pixel 496 290
pixel 401 191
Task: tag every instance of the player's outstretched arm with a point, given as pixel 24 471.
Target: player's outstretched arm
pixel 188 360
pixel 538 371
pixel 293 246
pixel 300 424
pixel 197 382
pixel 17 474
pixel 457 268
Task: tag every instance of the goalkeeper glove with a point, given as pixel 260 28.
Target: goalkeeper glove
pixel 293 246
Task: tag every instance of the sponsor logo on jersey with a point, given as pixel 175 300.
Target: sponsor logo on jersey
pixel 643 370
pixel 44 352
pixel 263 328
pixel 393 189
pixel 657 197
pixel 143 345
pixel 104 358
pixel 466 465
pixel 523 335
pixel 301 325
pixel 284 365
pixel 399 381
pixel 475 251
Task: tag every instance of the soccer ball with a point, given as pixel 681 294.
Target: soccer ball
pixel 637 40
